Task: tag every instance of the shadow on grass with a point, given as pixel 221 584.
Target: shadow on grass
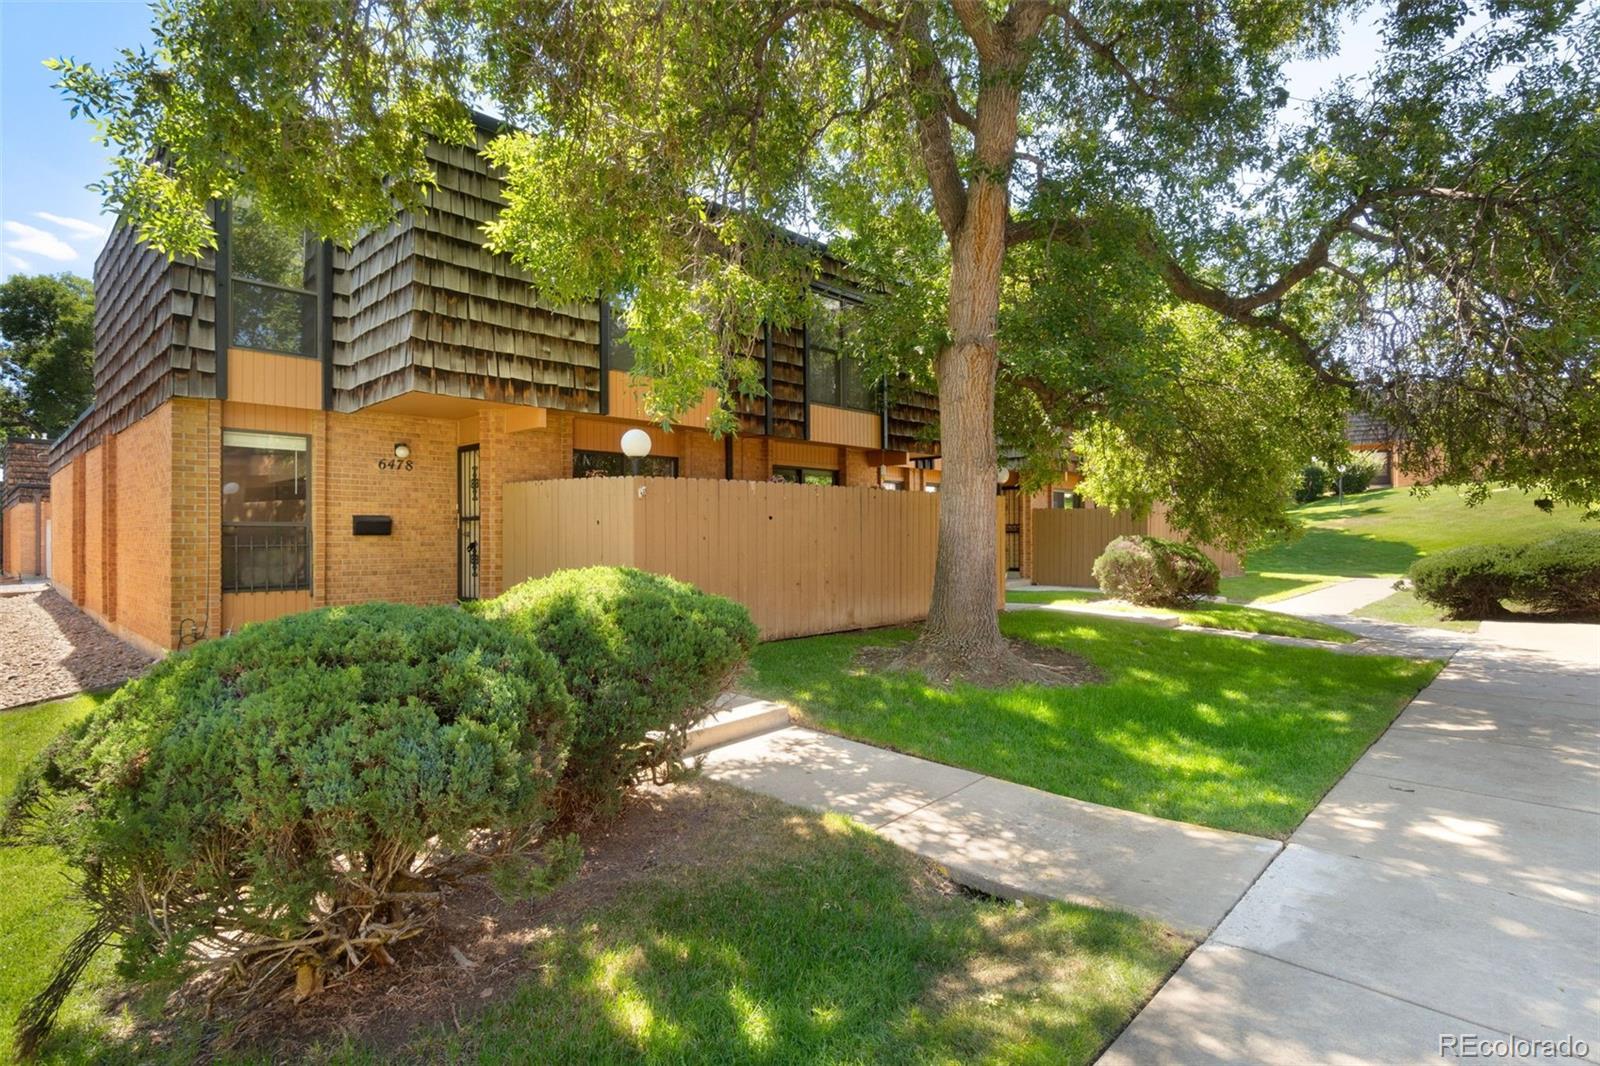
pixel 823 943
pixel 1237 735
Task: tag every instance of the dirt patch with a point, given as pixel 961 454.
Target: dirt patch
pixel 1028 664
pixel 479 950
pixel 50 649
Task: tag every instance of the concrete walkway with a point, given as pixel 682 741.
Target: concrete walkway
pixel 1337 599
pixel 1004 838
pixel 1449 885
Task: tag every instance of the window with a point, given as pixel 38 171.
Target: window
pixel 620 356
pixel 615 464
pixel 1060 500
pixel 273 280
pixel 895 486
pixel 805 475
pixel 266 513
pixel 930 488
pixel 831 377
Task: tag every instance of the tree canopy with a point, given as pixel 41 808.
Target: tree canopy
pixel 46 353
pixel 1104 220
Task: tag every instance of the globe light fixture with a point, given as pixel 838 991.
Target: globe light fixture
pixel 1003 476
pixel 402 450
pixel 635 445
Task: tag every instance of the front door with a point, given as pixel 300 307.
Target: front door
pixel 468 545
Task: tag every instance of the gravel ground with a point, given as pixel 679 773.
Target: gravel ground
pixel 50 649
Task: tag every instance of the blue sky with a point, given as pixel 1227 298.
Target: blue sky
pixel 48 221
pixel 51 222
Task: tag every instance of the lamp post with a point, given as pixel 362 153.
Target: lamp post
pixel 635 445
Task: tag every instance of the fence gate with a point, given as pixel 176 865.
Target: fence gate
pixel 467 540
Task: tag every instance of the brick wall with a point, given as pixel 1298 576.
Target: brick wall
pixel 21 536
pixel 196 501
pixel 417 562
pixel 62 502
pixel 140 495
pixel 93 590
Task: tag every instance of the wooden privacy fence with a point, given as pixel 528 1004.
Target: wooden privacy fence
pixel 803 558
pixel 1067 542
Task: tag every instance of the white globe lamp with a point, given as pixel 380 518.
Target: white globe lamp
pixel 636 445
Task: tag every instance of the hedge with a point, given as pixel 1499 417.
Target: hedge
pixel 1155 572
pixel 286 801
pixel 1560 575
pixel 643 656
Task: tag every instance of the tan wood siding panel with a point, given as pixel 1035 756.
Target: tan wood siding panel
pixel 799 453
pixel 242 608
pixel 840 425
pixel 605 435
pixel 274 379
pixel 1067 542
pixel 627 401
pixel 803 558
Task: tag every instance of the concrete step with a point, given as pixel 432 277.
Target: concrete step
pixel 736 718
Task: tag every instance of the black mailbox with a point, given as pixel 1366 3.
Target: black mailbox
pixel 372 525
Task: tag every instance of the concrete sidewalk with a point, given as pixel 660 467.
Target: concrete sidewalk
pixel 1336 599
pixel 1004 838
pixel 1449 884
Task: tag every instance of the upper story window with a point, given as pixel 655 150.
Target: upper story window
pixel 831 377
pixel 620 357
pixel 273 279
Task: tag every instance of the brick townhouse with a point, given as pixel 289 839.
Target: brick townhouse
pixel 284 424
pixel 24 507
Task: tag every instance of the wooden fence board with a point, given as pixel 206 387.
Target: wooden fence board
pixel 1066 542
pixel 803 558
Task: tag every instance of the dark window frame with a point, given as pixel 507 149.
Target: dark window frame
pixel 303 582
pixel 318 290
pixel 624 464
pixel 825 359
pixel 805 475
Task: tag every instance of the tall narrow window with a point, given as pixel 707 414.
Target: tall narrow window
pixel 273 282
pixel 621 355
pixel 831 376
pixel 266 512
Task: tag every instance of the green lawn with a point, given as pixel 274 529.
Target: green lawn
pixel 1229 616
pixel 37 913
pixel 758 934
pixel 1404 607
pixel 1379 533
pixel 806 938
pixel 1240 735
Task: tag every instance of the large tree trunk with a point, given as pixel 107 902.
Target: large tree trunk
pixel 962 627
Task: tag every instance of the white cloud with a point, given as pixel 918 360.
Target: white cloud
pixel 77 228
pixel 16 262
pixel 22 237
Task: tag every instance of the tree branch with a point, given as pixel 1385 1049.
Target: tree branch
pixel 933 124
pixel 1108 55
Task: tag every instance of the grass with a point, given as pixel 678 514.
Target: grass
pixel 38 914
pixel 1406 608
pixel 820 942
pixel 1228 616
pixel 1239 735
pixel 759 934
pixel 1382 532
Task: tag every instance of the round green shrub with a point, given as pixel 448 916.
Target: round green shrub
pixel 289 798
pixel 1155 572
pixel 1357 477
pixel 1313 483
pixel 642 655
pixel 1559 575
pixel 1466 582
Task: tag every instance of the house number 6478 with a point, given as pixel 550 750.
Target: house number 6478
pixel 394 464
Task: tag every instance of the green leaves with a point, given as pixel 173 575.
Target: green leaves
pixel 46 352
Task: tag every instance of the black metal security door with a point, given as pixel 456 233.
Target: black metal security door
pixel 1013 502
pixel 467 542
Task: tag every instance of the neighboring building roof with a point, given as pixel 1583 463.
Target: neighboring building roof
pixel 1361 428
pixel 26 463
